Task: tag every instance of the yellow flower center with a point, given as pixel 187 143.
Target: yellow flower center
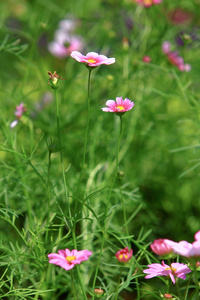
pixel 172 269
pixel 123 255
pixel 147 2
pixel 91 60
pixel 70 258
pixel 120 107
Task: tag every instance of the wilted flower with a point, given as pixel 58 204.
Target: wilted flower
pixel 162 246
pixel 187 249
pixel 124 255
pixel 175 270
pixel 92 59
pixel 174 58
pixel 119 106
pixel 54 79
pixel 148 3
pixel 168 296
pixel 67 259
pixel 20 109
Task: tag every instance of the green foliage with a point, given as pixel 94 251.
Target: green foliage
pixel 48 204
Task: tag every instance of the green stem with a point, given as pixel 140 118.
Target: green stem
pixel 196 283
pixel 72 282
pixel 118 283
pixel 81 283
pixel 107 207
pixel 187 287
pixel 61 155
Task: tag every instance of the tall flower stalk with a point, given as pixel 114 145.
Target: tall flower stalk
pixel 119 108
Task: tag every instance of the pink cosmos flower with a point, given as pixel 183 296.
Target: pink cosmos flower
pixel 119 106
pixel 92 59
pixel 175 270
pixel 124 255
pixel 162 246
pixel 20 109
pixel 187 249
pixel 148 3
pixel 174 58
pixel 67 259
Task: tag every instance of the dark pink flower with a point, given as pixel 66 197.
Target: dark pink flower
pixel 67 259
pixel 92 59
pixel 175 270
pixel 162 246
pixel 187 249
pixel 146 59
pixel 148 3
pixel 119 106
pixel 124 255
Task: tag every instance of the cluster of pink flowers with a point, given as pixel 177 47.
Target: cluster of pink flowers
pixel 164 247
pixel 148 3
pixel 174 58
pixel 20 109
pixel 65 41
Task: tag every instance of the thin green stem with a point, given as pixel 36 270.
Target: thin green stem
pixel 61 155
pixel 72 282
pixel 108 203
pixel 81 283
pixel 187 287
pixel 196 283
pixel 118 283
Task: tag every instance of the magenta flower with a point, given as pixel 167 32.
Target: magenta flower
pixel 174 58
pixel 187 249
pixel 20 109
pixel 67 259
pixel 175 270
pixel 92 59
pixel 119 106
pixel 162 246
pixel 124 255
pixel 146 59
pixel 148 3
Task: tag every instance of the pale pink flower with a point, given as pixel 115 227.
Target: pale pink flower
pixel 119 106
pixel 124 255
pixel 20 109
pixel 148 3
pixel 174 58
pixel 174 270
pixel 92 59
pixel 162 246
pixel 64 44
pixel 67 259
pixel 186 249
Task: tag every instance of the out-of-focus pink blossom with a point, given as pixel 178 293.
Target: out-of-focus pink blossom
pixel 174 58
pixel 174 270
pixel 63 45
pixel 146 59
pixel 65 41
pixel 20 109
pixel 162 246
pixel 92 59
pixel 124 255
pixel 148 3
pixel 178 16
pixel 186 249
pixel 119 106
pixel 67 259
